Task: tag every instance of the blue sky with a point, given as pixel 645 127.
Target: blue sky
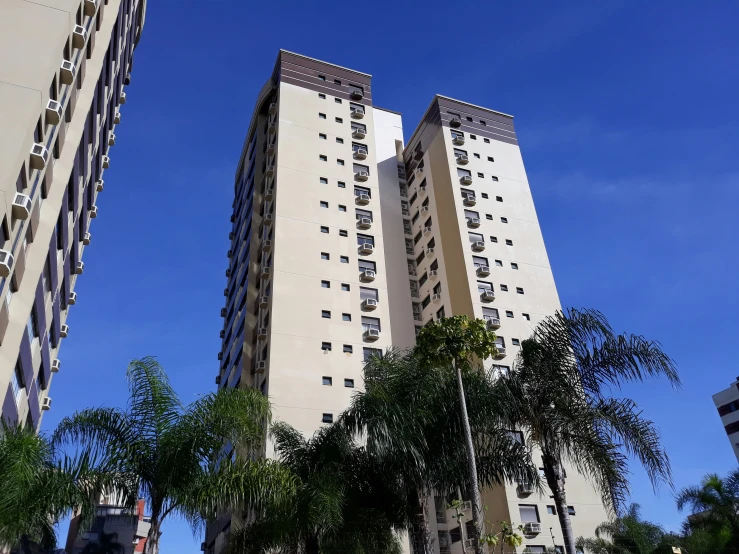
pixel 627 119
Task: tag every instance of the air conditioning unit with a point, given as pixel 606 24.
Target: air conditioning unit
pixel 80 268
pixel 66 72
pixel 492 322
pixel 436 298
pixel 106 162
pixel 271 149
pixel 72 298
pixel 79 36
pixel 263 301
pixel 487 296
pixel 473 222
pixel 357 94
pixel 56 366
pixel 427 230
pixel 262 333
pixel 260 367
pixel 433 274
pixel 364 223
pixel 458 140
pixel 421 191
pixel 455 122
pixel 223 312
pixel 266 245
pixel 99 185
pixel 122 99
pixel 226 291
pixel 6 263
pixel 64 331
pixel 270 171
pixel 94 212
pixel 367 275
pixel 418 154
pixel 21 206
pixel 360 154
pixel 268 219
pixel 424 209
pixel 91 7
pixel 359 133
pixel 369 304
pixel 478 246
pixel 366 248
pixel 39 156
pixel 482 271
pixel 218 379
pixel 46 403
pixel 419 171
pixel 266 272
pixel 86 238
pixel 525 488
pixel 357 113
pixel 462 159
pixel 466 179
pixel 361 175
pixel 501 351
pixel 429 252
pixel 269 194
pixel 231 235
pixel 117 118
pixel 272 129
pixel 469 543
pixel 228 273
pixel 111 138
pixel 532 528
pixel 220 356
pixel 371 334
pixel 469 200
pixel 53 112
pixel 127 79
pixel 273 108
pixel 222 334
pixel 362 199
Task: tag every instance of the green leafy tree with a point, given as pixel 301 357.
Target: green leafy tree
pixel 626 534
pixel 182 456
pixel 558 392
pixel 408 416
pixel 41 485
pixel 458 342
pixel 345 501
pixel 715 511
pixel 107 543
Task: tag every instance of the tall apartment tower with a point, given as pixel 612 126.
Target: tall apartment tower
pixel 727 404
pixel 344 242
pixel 63 67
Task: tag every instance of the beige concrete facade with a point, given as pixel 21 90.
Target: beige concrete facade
pixel 727 404
pixel 293 320
pixel 63 67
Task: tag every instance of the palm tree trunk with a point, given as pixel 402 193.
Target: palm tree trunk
pixel 25 544
pixel 471 464
pixel 155 533
pixel 311 544
pixel 556 481
pixel 420 533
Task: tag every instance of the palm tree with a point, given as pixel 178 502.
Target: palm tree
pixel 41 485
pixel 107 543
pixel 345 503
pixel 409 417
pixel 557 394
pixel 715 507
pixel 183 457
pixel 626 534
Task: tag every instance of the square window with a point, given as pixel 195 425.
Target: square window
pixel 326 346
pixel 551 510
pixel 325 256
pixel 326 284
pixel 488 216
pixel 504 288
pixel 477 156
pixel 341 184
pixel 324 204
pixel 473 137
pixel 349 383
pixel 494 178
pixel 499 263
pixel 322 136
pixel 469 118
pixel 482 122
pixel 340 140
pixel 337 100
pixel 342 208
pixel 348 349
pixel 528 513
pixel 323 158
pixel 493 239
pixel 346 317
pixel 327 381
pixel 527 317
pixel 327 418
pixel 499 198
pixel 340 162
pixel 324 229
pixel 509 242
pixel 514 265
pixel 490 158
pixel 344 259
pixel 345 287
pixel 519 290
pixel 480 174
pixel 515 342
pixel 484 194
pixel 323 180
pixel 337 82
pixel 339 120
pixel 321 77
pixel 326 314
pixel 571 510
pixel 504 220
pixel 321 116
pixel 508 314
pixel 343 233
pixel 321 96
pixel 487 141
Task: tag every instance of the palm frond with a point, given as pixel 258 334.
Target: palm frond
pixel 153 405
